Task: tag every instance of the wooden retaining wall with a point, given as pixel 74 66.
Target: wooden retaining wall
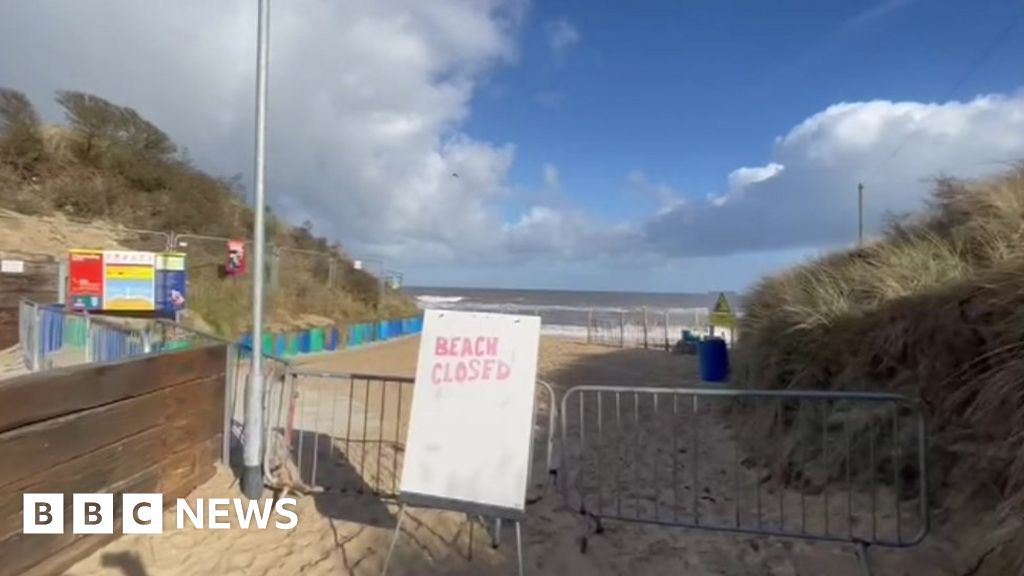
pixel 153 424
pixel 39 283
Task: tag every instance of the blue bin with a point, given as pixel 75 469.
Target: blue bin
pixel 333 337
pixel 305 342
pixel 714 360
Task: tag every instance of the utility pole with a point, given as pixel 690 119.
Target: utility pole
pixel 252 471
pixel 860 215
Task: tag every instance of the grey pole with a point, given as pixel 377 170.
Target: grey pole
pixel 860 214
pixel 252 476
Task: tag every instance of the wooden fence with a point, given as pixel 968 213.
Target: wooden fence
pixel 38 282
pixel 153 424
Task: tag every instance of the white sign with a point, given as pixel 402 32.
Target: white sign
pixel 357 264
pixel 129 257
pixel 12 266
pixel 471 424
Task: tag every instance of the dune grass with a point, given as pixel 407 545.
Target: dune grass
pixel 933 310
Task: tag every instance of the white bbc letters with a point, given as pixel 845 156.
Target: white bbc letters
pixel 42 513
pixel 92 514
pixel 142 514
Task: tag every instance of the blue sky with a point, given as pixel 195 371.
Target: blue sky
pixel 653 145
pixel 688 91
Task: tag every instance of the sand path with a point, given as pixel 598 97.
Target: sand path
pixel 348 533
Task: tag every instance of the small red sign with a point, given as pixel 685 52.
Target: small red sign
pixel 85 279
pixel 236 258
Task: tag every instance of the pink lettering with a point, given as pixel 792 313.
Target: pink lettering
pixel 492 346
pixel 460 372
pixel 467 347
pixel 480 346
pixel 436 373
pixel 488 368
pixel 441 347
pixel 503 370
pixel 474 369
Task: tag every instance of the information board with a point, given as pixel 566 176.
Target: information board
pixel 129 280
pixel 471 423
pixel 171 284
pixel 85 279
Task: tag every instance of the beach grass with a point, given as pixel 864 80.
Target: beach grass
pixel 934 310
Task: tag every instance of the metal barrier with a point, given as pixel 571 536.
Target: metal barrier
pixel 27 334
pixel 826 466
pixel 343 432
pixel 51 336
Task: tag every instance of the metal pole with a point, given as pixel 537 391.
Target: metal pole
pixel 860 214
pixel 645 327
pixel 252 478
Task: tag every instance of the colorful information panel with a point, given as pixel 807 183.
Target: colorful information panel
pixel 85 279
pixel 170 281
pixel 124 280
pixel 129 280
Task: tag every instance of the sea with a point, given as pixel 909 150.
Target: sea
pixel 633 316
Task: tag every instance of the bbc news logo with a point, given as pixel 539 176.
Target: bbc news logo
pixel 144 513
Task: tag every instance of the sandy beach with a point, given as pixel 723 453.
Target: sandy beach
pixel 342 534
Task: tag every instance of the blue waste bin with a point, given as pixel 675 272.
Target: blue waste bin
pixel 714 360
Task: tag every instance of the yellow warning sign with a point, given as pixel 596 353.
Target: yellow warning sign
pixel 722 305
pixel 721 315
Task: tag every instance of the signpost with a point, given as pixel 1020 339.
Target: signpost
pixel 471 424
pixel 722 315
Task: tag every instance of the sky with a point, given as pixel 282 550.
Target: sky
pixel 654 145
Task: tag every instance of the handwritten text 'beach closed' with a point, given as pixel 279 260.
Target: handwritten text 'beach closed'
pixel 468 360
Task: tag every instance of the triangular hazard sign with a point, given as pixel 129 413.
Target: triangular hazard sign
pixel 722 305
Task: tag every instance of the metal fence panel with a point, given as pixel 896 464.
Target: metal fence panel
pixel 832 466
pixel 27 330
pixel 347 432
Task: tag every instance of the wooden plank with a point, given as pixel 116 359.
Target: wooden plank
pixel 93 472
pixel 42 446
pixel 89 473
pixel 83 547
pixel 21 551
pixel 44 395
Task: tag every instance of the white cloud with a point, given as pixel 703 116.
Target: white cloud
pixel 366 102
pixel 806 195
pixel 875 12
pixel 562 35
pixel 665 196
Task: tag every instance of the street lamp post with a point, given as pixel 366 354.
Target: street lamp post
pixel 252 475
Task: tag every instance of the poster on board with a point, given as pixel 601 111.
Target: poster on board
pixel 170 282
pixel 129 280
pixel 85 279
pixel 471 422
